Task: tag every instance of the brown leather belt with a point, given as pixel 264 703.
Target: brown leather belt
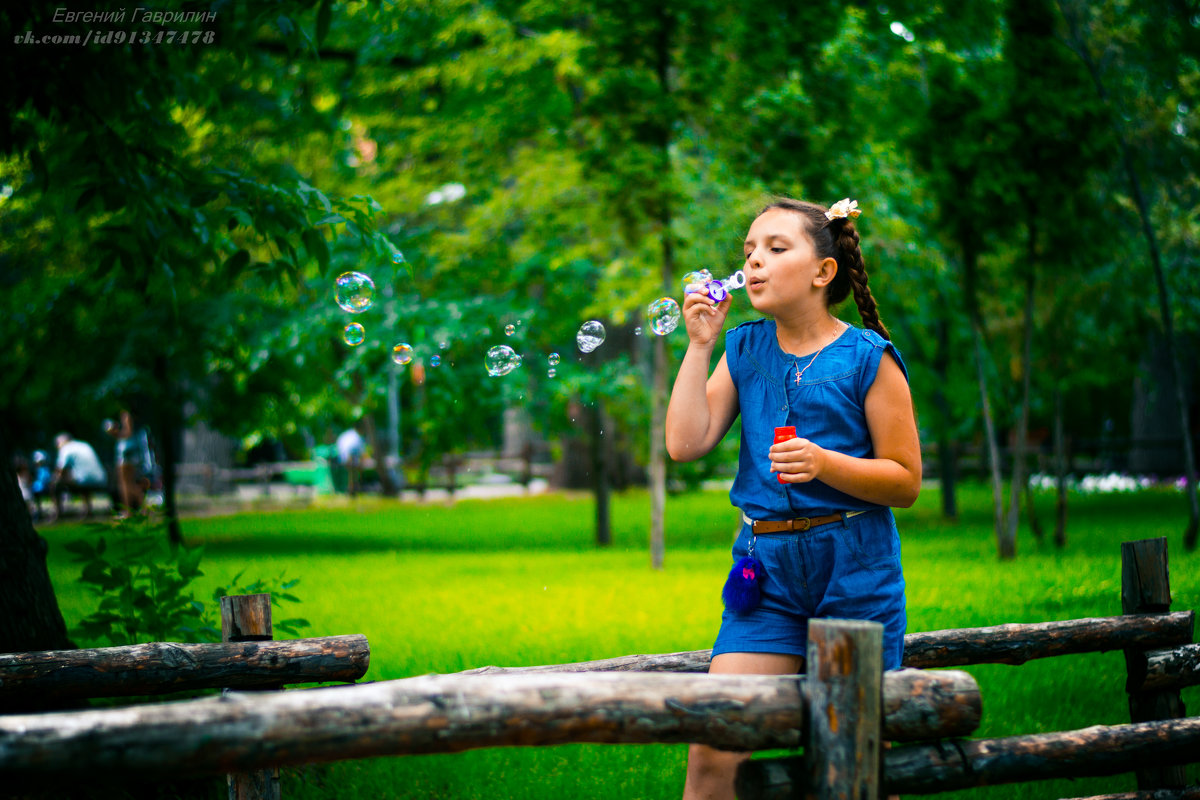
pixel 798 525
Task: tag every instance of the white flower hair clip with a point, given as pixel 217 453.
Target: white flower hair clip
pixel 843 209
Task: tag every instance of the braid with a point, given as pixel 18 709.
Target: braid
pixel 847 243
pixel 838 239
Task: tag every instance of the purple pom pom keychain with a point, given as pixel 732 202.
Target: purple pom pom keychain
pixel 742 590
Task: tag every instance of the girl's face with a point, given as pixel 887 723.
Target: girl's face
pixel 782 270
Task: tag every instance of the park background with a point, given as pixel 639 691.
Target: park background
pixel 175 215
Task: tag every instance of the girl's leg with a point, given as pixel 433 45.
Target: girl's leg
pixel 710 772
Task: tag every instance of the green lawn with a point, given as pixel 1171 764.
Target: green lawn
pixel 441 588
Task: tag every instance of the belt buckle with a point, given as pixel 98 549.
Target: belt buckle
pixel 802 524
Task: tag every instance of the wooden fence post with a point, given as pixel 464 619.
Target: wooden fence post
pixel 247 618
pixel 845 679
pixel 1146 589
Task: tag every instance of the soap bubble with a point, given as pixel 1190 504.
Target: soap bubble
pixel 443 345
pixel 664 315
pixel 435 361
pixel 397 256
pixel 550 373
pixel 694 280
pixel 501 360
pixel 590 336
pixel 353 334
pixel 637 331
pixel 509 330
pixel 402 353
pixel 354 292
pixel 553 359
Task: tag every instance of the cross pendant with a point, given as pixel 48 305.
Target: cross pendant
pixel 797 376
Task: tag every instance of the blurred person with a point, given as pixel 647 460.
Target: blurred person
pixel 134 461
pixel 43 481
pixel 350 448
pixel 24 481
pixel 77 470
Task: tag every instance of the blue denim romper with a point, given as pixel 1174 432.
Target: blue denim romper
pixel 848 569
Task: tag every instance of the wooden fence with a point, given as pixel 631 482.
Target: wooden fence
pixel 840 712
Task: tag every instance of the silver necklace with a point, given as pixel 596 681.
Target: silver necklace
pixel 800 372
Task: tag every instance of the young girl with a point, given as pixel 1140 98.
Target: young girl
pixel 815 508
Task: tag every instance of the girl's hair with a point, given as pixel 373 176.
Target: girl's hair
pixel 837 239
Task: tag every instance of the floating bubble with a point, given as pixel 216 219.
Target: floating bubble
pixel 694 280
pixel 354 292
pixel 397 256
pixel 402 353
pixel 553 359
pixel 435 361
pixel 550 373
pixel 501 360
pixel 637 331
pixel 590 336
pixel 353 334
pixel 509 330
pixel 664 315
pixel 443 345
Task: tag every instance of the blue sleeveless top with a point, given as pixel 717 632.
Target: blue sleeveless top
pixel 828 407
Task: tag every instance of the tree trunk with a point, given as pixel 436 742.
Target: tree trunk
pixel 1006 547
pixel 387 487
pixel 947 442
pixel 1060 472
pixel 29 615
pixel 1019 479
pixel 600 467
pixel 167 414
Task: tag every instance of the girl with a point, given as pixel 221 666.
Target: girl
pixel 815 508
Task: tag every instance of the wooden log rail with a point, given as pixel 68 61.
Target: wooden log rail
pixel 451 713
pixel 161 667
pixel 1013 643
pixel 1168 669
pixel 962 764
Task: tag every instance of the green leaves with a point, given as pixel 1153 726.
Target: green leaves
pixel 142 588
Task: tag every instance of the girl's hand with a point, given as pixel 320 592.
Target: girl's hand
pixel 704 317
pixel 797 460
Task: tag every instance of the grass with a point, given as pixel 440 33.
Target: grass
pixel 441 588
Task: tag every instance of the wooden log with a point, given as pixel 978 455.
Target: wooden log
pixel 1181 793
pixel 1016 643
pixel 1145 589
pixel 430 714
pixel 1012 643
pixel 960 764
pixel 688 661
pixel 1169 669
pixel 1098 750
pixel 161 667
pixel 247 618
pixel 845 678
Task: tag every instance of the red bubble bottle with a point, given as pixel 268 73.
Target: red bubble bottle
pixel 782 435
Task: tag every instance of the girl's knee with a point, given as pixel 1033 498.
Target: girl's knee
pixel 705 760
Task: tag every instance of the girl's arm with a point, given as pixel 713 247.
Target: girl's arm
pixel 893 476
pixel 701 408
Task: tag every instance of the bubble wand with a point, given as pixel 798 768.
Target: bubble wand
pixel 718 290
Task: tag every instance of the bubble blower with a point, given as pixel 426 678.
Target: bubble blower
pixel 718 290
